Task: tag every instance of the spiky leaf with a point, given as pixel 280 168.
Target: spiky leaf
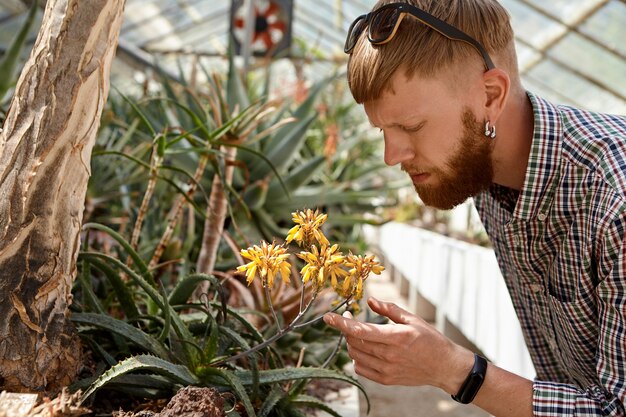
pixel 159 366
pixel 123 329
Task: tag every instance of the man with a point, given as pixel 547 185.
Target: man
pixel 549 185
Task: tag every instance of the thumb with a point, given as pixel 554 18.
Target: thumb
pixel 390 310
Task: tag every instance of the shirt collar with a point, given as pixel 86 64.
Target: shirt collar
pixel 543 170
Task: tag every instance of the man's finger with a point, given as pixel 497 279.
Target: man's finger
pixel 391 310
pixel 354 328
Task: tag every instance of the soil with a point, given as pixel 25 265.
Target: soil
pixel 188 402
pixel 195 402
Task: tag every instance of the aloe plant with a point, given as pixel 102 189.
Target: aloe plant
pixel 10 60
pixel 179 344
pixel 183 179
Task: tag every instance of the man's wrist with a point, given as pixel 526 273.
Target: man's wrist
pixel 456 369
pixel 473 382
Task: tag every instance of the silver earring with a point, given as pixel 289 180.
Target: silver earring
pixel 490 133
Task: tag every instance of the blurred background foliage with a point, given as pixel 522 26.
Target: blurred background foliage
pixel 186 171
pixel 166 161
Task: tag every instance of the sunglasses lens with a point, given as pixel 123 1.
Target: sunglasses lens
pixel 357 27
pixel 382 24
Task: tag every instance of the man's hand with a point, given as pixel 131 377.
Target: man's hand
pixel 407 351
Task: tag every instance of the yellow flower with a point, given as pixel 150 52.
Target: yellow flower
pixel 268 260
pixel 360 268
pixel 307 228
pixel 321 264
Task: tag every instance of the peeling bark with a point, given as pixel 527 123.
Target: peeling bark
pixel 45 151
pixel 215 217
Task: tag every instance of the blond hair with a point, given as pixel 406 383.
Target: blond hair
pixel 419 50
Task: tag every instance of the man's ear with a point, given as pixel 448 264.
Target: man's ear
pixel 497 85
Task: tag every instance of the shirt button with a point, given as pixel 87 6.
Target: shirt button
pixel 542 217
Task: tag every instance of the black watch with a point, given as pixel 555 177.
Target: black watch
pixel 473 382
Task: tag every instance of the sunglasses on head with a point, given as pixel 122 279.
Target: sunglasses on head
pixel 382 25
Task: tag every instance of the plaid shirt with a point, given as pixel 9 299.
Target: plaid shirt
pixel 562 254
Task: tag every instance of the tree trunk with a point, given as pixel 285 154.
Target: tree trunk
pixel 45 151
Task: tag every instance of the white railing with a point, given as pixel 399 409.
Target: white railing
pixel 463 285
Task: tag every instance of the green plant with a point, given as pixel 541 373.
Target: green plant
pixel 182 178
pixel 11 57
pixel 153 165
pixel 206 343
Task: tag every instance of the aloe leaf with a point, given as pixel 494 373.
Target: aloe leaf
pixel 265 160
pixel 249 326
pixel 180 329
pixel 129 250
pixel 124 295
pixel 253 357
pixel 131 333
pixel 284 148
pixel 295 178
pixel 140 392
pixel 9 61
pixel 190 177
pixel 294 412
pixel 232 380
pixel 182 171
pixel 129 132
pixel 140 113
pixel 171 93
pixel 240 342
pixel 186 286
pixel 159 366
pixel 143 381
pixel 212 344
pixel 255 195
pixel 304 110
pixel 267 225
pixel 271 376
pixel 199 123
pixel 275 395
pixel 89 297
pixel 236 93
pixel 104 354
pixel 144 386
pixel 167 313
pixel 308 401
pixel 317 196
pixel 307 105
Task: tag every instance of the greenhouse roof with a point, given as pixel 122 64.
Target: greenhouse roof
pixel 569 51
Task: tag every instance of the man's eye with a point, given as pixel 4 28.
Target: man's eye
pixel 413 129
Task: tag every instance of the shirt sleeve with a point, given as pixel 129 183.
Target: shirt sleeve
pixel 552 399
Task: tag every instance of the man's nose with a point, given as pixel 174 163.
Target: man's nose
pixel 397 150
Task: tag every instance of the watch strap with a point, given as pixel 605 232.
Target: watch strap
pixel 473 382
